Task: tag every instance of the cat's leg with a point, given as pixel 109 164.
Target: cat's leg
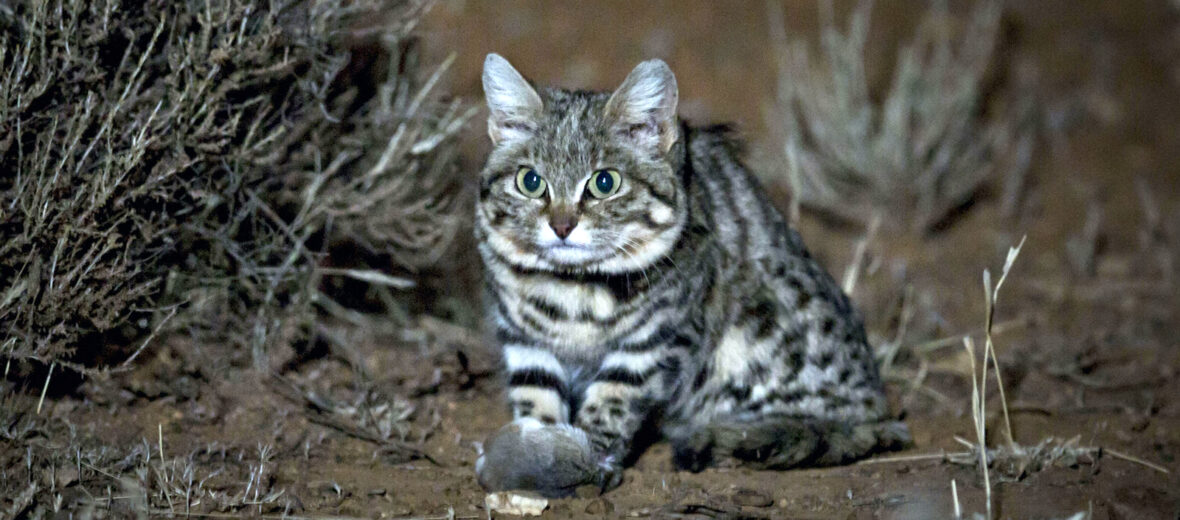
pixel 555 459
pixel 626 390
pixel 539 450
pixel 537 384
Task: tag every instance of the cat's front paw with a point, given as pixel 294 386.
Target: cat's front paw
pixel 553 460
pixel 603 416
pixel 607 422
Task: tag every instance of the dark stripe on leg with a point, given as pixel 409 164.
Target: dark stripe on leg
pixel 538 377
pixel 624 376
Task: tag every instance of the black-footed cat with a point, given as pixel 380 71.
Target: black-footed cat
pixel 638 277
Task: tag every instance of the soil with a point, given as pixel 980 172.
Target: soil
pixel 1087 345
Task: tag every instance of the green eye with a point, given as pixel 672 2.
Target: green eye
pixel 604 183
pixel 529 182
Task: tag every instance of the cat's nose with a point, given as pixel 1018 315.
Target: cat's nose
pixel 563 225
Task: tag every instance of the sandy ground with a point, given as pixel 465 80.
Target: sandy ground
pixel 322 470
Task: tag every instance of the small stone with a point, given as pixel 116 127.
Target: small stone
pixel 1140 424
pixel 377 492
pixel 399 509
pixel 587 491
pixel 560 509
pixel 328 488
pixel 351 509
pixel 66 476
pixel 600 506
pixel 293 504
pixel 749 497
pixel 520 504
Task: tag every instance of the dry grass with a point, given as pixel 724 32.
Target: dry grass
pixel 189 167
pixel 64 470
pixel 192 168
pixel 1010 461
pixel 920 152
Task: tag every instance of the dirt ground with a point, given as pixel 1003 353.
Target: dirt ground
pixel 1086 334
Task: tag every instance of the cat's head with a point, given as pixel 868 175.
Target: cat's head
pixel 582 181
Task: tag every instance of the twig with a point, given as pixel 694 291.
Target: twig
pixel 45 388
pixel 852 273
pixel 370 276
pixel 904 458
pixel 891 349
pixel 990 346
pixel 451 333
pixel 1136 460
pixel 961 456
pixel 978 411
pixel 950 341
pixel 321 414
pixel 155 330
pixel 955 496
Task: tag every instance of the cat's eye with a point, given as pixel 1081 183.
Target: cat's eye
pixel 604 183
pixel 529 182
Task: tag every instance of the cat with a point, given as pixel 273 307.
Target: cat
pixel 639 279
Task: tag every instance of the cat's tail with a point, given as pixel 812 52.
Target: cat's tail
pixel 783 442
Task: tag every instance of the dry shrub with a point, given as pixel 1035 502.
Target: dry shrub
pixel 918 153
pixel 57 468
pixel 187 165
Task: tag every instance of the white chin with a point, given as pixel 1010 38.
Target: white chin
pixel 569 255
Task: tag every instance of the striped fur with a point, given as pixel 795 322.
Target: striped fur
pixel 683 301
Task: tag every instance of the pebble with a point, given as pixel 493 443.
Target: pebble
pixel 749 497
pixel 587 491
pixel 327 487
pixel 600 506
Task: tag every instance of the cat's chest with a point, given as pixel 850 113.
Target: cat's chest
pixel 583 318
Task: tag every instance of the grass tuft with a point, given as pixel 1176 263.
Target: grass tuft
pixel 1010 461
pixel 921 151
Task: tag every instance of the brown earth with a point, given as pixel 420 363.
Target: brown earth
pixel 1087 353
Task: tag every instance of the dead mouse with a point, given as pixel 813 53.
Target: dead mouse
pixel 551 459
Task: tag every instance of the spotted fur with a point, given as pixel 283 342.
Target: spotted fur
pixel 683 302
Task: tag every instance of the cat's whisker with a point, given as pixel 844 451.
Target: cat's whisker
pixel 629 255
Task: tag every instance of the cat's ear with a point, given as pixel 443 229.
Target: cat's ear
pixel 513 105
pixel 643 108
